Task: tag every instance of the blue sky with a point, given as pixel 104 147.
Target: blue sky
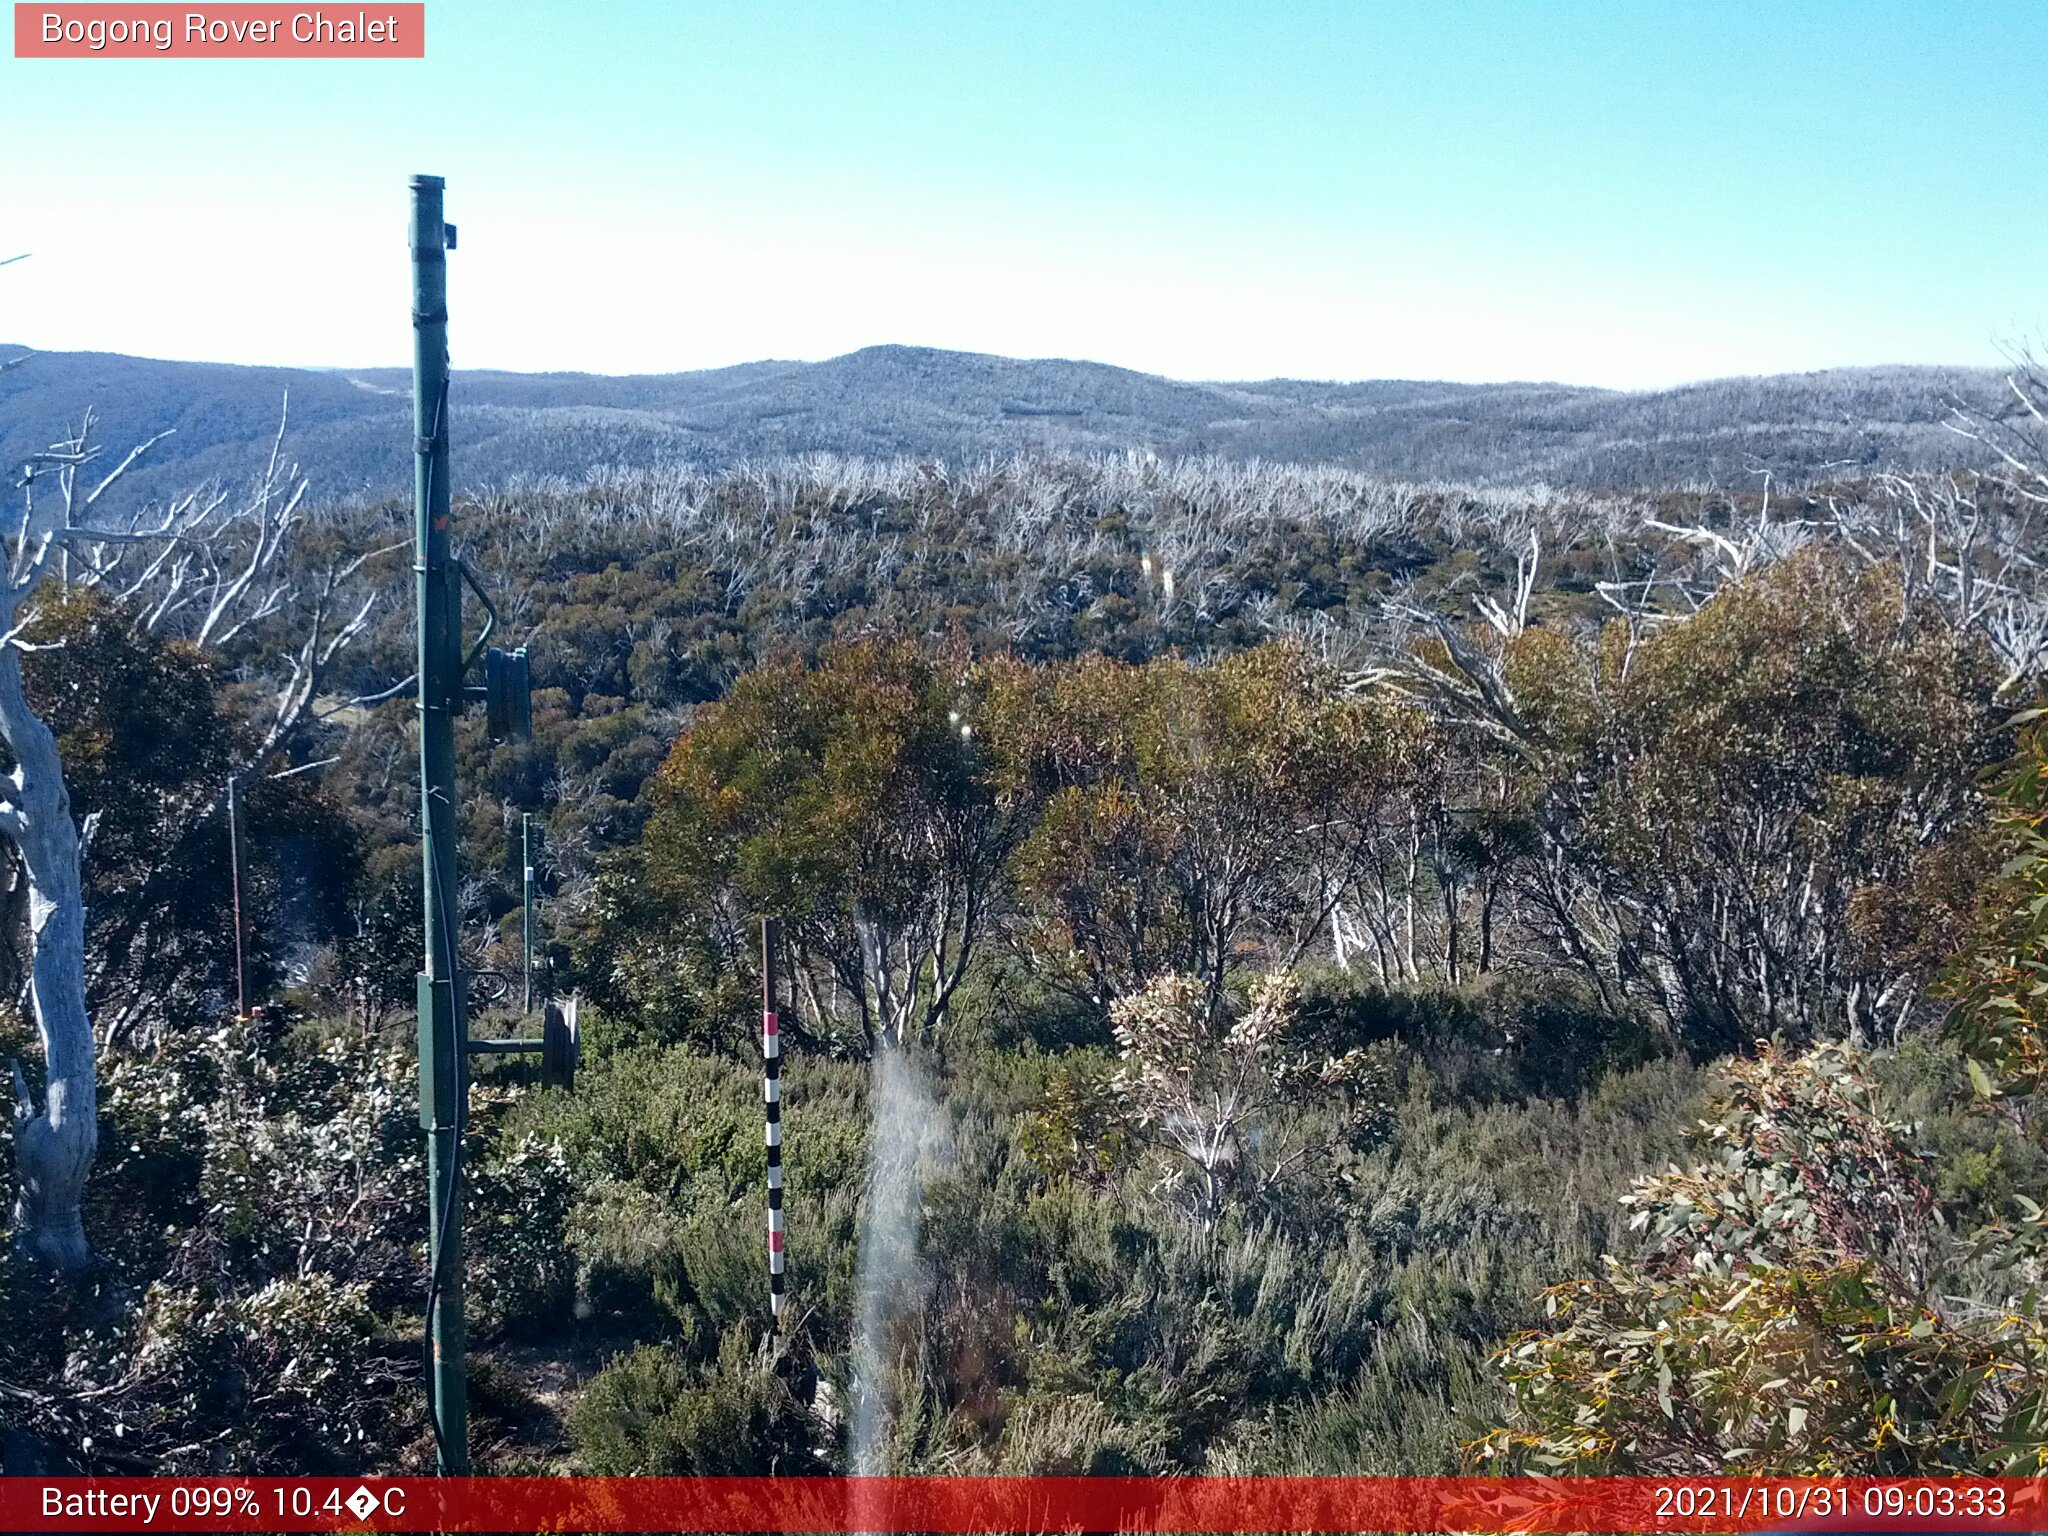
pixel 1623 194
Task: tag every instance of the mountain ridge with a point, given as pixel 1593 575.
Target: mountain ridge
pixel 350 428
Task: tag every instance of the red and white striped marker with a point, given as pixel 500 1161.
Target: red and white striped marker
pixel 771 1089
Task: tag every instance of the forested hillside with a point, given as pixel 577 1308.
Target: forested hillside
pixel 351 428
pixel 1307 918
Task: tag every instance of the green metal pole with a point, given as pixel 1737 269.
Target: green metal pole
pixel 526 905
pixel 443 1060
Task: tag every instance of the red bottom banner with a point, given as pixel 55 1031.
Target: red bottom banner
pixel 1023 1504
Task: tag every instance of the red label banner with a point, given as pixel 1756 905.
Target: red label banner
pixel 1024 1504
pixel 103 31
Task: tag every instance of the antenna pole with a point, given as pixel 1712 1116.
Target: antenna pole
pixel 771 1088
pixel 235 882
pixel 444 1068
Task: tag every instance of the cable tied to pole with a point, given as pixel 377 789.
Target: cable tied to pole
pixel 438 1266
pixel 437 1269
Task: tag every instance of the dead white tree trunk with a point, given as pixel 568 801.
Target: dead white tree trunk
pixel 54 1145
pixel 53 1148
pixel 213 568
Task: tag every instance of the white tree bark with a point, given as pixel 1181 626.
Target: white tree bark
pixel 53 1148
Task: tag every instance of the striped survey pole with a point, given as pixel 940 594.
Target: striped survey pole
pixel 771 1089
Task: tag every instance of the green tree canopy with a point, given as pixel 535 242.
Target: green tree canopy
pixel 1199 817
pixel 858 800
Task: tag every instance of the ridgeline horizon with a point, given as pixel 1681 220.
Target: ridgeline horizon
pixel 348 426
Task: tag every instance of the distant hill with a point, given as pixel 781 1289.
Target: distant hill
pixel 352 430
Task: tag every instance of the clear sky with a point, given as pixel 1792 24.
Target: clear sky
pixel 1609 193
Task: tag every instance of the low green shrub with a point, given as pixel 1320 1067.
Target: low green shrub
pixel 654 1412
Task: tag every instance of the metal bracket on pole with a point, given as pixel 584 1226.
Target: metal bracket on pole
pixel 508 695
pixel 560 1046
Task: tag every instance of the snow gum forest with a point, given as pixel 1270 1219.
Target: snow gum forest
pixel 1286 970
